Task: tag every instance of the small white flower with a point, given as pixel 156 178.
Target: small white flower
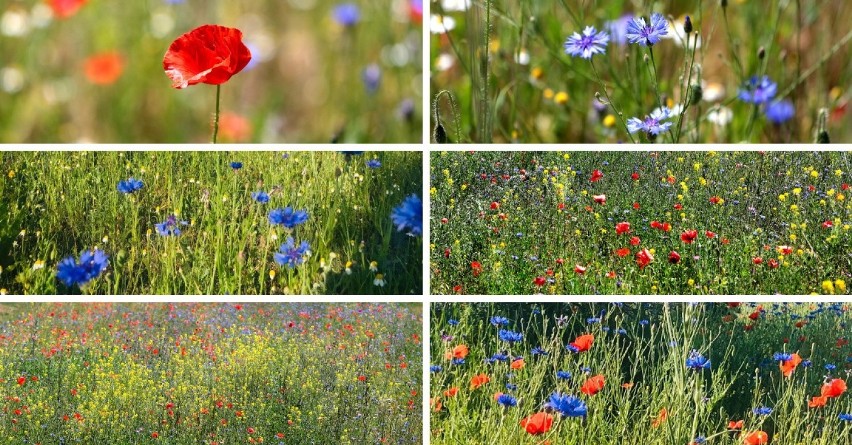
pixel 380 280
pixel 441 24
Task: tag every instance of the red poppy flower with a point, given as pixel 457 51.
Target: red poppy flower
pixel 757 260
pixel 104 68
pixel 784 250
pixel 22 380
pixel 539 281
pixel 560 261
pixel 689 236
pixel 833 388
pixel 447 252
pixel 715 199
pixel 593 385
pixel 667 227
pixel 479 380
pixel 643 258
pixel 827 224
pixel 756 438
pixel 580 270
pixel 459 351
pixel 636 206
pixel 671 179
pixel 634 176
pixel 65 8
pixel 635 241
pixel 518 364
pixel 451 392
pixel 817 402
pixel 583 343
pixel 773 263
pixel 661 417
pixel 600 199
pixel 622 227
pixel 596 176
pixel 362 378
pixel 678 206
pixel 234 128
pixel 788 366
pixel 208 54
pixel 674 257
pixel 735 425
pixel 709 234
pixel 476 267
pixel 538 423
pixel 495 205
pixel 623 252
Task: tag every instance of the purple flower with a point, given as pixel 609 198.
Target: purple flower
pixel 647 35
pixel 170 227
pixel 618 28
pixel 291 255
pixel 347 14
pixel 758 90
pixel 372 76
pixel 780 111
pixel 653 124
pixel 590 43
pixel 91 264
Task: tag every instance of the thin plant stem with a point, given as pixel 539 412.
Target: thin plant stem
pixel 609 101
pixel 657 85
pixel 216 116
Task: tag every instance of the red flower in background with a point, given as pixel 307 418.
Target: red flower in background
pixel 634 176
pixel 208 54
pixel 103 68
pixel 833 388
pixel 788 366
pixel 582 343
pixel 65 8
pixel 756 438
pixel 643 258
pixel 674 257
pixel 539 281
pixel 476 267
pixel 622 227
pixel 538 423
pixel 596 176
pixel 600 199
pixel 593 385
pixel 689 236
pixel 479 380
pixel 579 269
pixel 623 252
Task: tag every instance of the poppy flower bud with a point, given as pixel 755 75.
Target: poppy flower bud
pixel 687 25
pixel 724 3
pixel 441 135
pixel 822 137
pixel 761 53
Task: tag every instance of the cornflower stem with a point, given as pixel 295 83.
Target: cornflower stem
pixel 216 116
pixel 657 84
pixel 687 92
pixel 751 120
pixel 609 101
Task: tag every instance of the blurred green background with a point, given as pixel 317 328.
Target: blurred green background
pixel 305 82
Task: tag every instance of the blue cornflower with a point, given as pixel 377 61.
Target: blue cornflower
pixel 453 322
pixel 130 186
pixel 782 357
pixel 236 165
pixel 590 43
pixel 758 90
pixel 371 76
pixel 288 217
pixel 91 264
pixel 567 405
pixel 700 440
pixel 507 400
pixel 509 336
pixel 374 163
pixel 499 357
pixel 458 361
pixel 653 124
pixel 291 255
pixel 347 14
pixel 647 34
pixel 845 417
pixel 644 322
pixel 261 197
pixel 696 361
pixel 170 227
pixel 409 215
pixel 618 28
pixel 511 386
pixel 807 364
pixel 830 367
pixel 435 368
pixel 593 320
pixel 499 321
pixel 762 411
pixel 780 111
pixel 563 375
pixel 538 350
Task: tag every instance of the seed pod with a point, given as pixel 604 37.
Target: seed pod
pixel 761 53
pixel 441 135
pixel 687 25
pixel 695 94
pixel 822 138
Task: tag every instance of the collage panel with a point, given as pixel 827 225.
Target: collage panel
pixel 644 373
pixel 211 223
pixel 210 373
pixel 647 223
pixel 617 71
pixel 196 71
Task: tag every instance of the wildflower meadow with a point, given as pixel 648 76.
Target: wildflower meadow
pixel 692 71
pixel 181 223
pixel 212 373
pixel 724 223
pixel 652 373
pixel 190 71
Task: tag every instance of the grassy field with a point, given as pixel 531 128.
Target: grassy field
pixel 316 75
pixel 198 224
pixel 598 373
pixel 210 374
pixel 641 223
pixel 508 77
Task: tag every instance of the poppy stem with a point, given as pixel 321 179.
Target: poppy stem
pixel 216 116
